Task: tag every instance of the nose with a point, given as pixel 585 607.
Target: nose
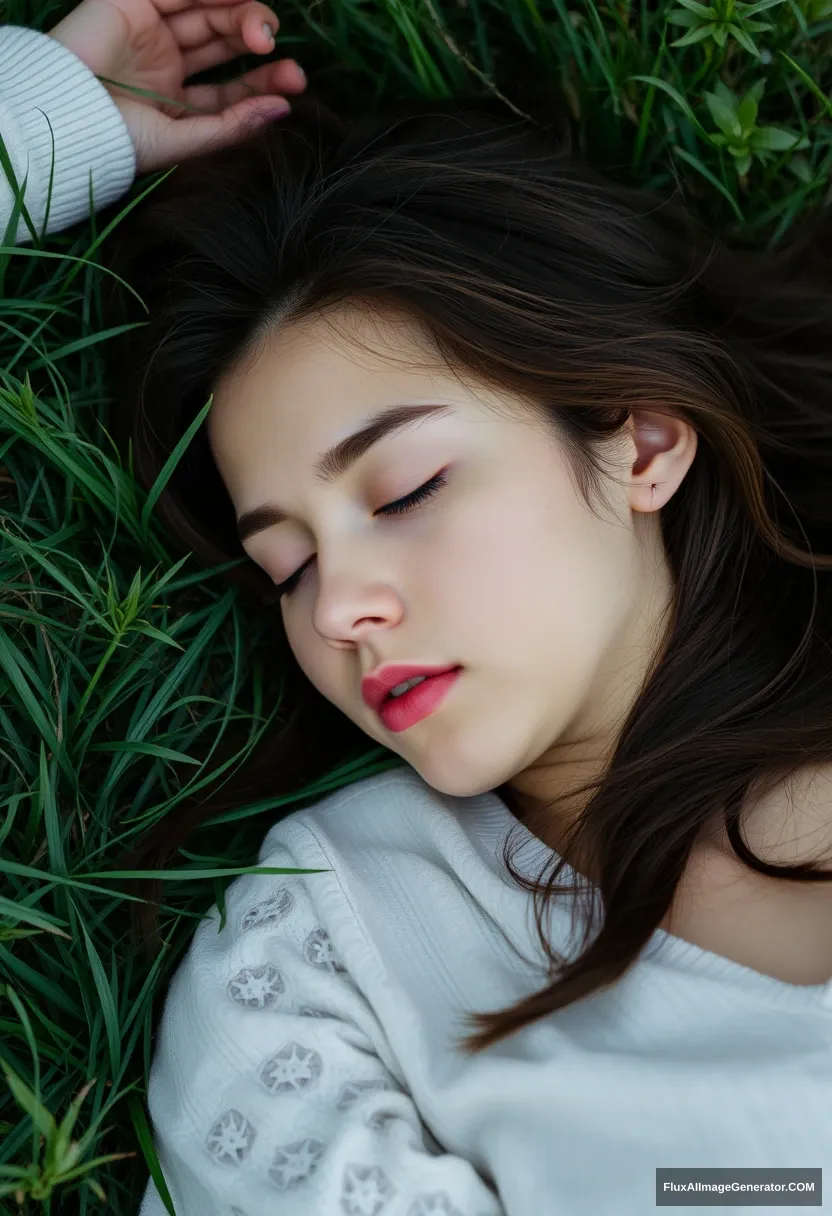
pixel 348 611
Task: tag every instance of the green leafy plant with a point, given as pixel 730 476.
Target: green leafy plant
pixel 59 1157
pixel 738 130
pixel 721 20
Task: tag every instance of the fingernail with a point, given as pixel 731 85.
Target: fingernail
pixel 279 110
pixel 267 30
pixel 300 70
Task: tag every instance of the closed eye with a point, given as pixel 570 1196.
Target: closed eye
pixel 400 507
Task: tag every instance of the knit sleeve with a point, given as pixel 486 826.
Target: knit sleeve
pixel 274 1090
pixel 41 80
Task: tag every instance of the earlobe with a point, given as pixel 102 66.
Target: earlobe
pixel 647 496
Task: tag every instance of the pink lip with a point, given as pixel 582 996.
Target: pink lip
pixel 399 713
pixel 376 687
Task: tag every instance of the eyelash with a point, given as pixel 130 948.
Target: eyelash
pixel 400 507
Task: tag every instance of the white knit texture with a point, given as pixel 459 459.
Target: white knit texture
pixel 39 80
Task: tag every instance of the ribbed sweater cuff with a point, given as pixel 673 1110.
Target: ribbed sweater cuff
pixel 38 77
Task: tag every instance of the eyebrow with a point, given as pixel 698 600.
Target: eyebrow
pixel 334 463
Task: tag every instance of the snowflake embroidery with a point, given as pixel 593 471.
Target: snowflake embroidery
pixel 292 1068
pixel 256 987
pixel 435 1204
pixel 365 1190
pixel 353 1089
pixel 317 950
pixel 230 1139
pixel 272 909
pixel 293 1163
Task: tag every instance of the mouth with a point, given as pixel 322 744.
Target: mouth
pixel 377 686
pixel 398 713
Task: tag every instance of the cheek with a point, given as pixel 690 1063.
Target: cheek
pixel 495 559
pixel 481 575
pixel 521 578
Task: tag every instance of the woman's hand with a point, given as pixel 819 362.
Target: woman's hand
pixel 156 45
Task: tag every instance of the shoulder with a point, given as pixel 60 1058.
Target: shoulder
pixel 300 897
pixel 395 811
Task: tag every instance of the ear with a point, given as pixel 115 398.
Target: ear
pixel 665 448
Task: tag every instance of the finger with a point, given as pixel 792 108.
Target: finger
pixel 186 137
pixel 282 77
pixel 244 22
pixel 170 7
pixel 220 50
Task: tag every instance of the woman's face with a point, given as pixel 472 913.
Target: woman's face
pixel 552 613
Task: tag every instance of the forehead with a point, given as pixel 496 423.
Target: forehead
pixel 312 377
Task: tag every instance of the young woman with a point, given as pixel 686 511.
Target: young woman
pixel 480 415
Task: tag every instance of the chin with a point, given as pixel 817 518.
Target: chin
pixel 455 779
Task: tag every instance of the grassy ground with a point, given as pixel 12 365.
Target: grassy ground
pixel 114 658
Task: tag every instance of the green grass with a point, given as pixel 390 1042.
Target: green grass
pixel 115 658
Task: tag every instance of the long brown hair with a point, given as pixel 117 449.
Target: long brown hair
pixel 534 271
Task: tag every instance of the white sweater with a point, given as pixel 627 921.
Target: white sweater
pixel 306 1062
